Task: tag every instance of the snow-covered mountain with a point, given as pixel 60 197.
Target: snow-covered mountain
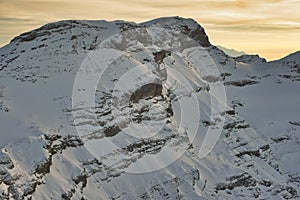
pixel 119 110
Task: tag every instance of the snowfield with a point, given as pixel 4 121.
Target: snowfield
pixel 119 110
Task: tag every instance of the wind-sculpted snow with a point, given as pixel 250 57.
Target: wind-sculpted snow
pixel 119 110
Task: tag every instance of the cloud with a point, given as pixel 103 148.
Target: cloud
pixel 11 19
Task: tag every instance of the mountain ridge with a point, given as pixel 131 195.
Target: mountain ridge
pixel 98 22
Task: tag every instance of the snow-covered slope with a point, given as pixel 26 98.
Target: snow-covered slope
pixel 231 52
pixel 136 140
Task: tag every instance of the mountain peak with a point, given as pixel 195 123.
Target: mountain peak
pixel 187 26
pixel 171 21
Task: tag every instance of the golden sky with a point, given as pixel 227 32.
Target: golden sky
pixel 270 28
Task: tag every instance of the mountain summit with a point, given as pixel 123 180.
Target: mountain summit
pixel 121 110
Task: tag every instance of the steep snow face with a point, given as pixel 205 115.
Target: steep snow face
pixel 161 95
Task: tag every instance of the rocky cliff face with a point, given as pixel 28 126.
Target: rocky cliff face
pixel 162 81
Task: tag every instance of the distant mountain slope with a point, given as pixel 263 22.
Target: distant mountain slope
pixel 231 52
pixel 54 145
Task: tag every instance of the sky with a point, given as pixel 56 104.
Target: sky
pixel 270 28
